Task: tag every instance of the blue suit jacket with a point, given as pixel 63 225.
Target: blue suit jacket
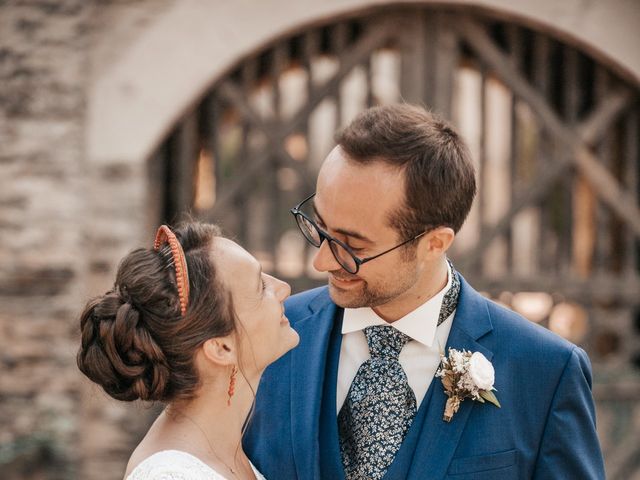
pixel 544 430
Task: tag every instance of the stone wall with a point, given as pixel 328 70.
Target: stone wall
pixel 63 225
pixel 42 108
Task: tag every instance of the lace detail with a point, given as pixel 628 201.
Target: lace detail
pixel 177 465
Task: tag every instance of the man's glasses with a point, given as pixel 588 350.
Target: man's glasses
pixel 341 252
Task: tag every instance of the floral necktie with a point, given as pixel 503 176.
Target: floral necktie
pixel 379 408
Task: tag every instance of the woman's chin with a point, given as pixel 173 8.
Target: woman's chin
pixel 291 341
pixel 296 339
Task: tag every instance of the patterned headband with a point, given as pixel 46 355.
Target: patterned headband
pixel 165 235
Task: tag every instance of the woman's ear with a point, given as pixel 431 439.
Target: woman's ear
pixel 221 350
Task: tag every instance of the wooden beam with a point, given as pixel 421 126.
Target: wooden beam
pixel 620 201
pixel 239 184
pixel 547 178
pixel 609 109
pixel 417 41
pixel 275 138
pixel 632 176
pixel 617 392
pixel 356 54
pixel 376 36
pixel 446 63
pixel 183 172
pixel 601 288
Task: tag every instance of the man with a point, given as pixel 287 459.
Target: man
pixel 359 399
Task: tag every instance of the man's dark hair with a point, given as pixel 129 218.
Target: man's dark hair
pixel 439 176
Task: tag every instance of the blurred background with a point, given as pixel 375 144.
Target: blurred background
pixel 119 115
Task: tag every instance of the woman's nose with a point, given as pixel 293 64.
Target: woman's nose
pixel 284 290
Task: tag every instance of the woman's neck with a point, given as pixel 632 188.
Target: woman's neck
pixel 220 421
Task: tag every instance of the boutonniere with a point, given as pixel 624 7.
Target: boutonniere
pixel 466 375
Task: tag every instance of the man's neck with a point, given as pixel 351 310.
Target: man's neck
pixel 425 289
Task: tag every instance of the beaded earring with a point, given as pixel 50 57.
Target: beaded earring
pixel 232 384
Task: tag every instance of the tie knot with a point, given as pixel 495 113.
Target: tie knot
pixel 385 341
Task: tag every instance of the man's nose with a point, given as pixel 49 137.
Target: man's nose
pixel 324 261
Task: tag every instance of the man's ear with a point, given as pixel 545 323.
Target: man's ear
pixel 437 241
pixel 221 350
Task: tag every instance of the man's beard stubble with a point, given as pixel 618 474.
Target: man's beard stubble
pixel 368 296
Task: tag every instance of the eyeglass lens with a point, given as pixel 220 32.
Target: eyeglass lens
pixel 343 257
pixel 313 236
pixel 309 231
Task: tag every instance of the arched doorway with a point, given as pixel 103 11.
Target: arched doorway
pixel 554 231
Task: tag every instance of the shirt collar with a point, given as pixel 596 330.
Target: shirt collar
pixel 419 324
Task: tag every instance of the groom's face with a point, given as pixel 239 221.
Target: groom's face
pixel 354 203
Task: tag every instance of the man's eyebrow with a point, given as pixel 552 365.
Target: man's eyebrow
pixel 342 231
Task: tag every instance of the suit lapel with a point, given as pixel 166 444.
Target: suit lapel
pixel 438 440
pixel 308 363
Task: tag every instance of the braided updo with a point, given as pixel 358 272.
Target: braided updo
pixel 135 342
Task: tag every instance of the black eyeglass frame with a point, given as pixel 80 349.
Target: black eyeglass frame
pixel 296 212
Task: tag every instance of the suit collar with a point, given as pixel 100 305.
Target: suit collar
pixel 320 301
pixel 472 314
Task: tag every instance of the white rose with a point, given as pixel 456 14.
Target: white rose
pixel 481 371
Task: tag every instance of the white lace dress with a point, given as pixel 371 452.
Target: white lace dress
pixel 177 465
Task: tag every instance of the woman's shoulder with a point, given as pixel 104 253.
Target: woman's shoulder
pixel 173 465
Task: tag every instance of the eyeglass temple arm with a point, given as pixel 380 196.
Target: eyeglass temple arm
pixel 297 207
pixel 365 260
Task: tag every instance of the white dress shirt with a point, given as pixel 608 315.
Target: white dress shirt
pixel 419 358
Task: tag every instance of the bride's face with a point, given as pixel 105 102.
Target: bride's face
pixel 263 331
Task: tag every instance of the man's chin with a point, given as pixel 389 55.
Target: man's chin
pixel 346 298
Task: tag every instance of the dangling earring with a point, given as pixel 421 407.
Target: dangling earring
pixel 232 384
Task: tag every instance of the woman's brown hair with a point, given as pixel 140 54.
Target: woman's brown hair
pixel 135 342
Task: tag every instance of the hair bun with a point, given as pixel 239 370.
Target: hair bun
pixel 117 351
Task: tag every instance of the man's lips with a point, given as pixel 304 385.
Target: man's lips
pixel 341 281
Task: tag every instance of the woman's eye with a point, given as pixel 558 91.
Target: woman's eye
pixel 264 285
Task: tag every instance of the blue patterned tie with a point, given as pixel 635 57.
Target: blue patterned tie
pixel 379 408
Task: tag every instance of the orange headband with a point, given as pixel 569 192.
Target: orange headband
pixel 165 235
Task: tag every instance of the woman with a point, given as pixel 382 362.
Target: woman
pixel 191 323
